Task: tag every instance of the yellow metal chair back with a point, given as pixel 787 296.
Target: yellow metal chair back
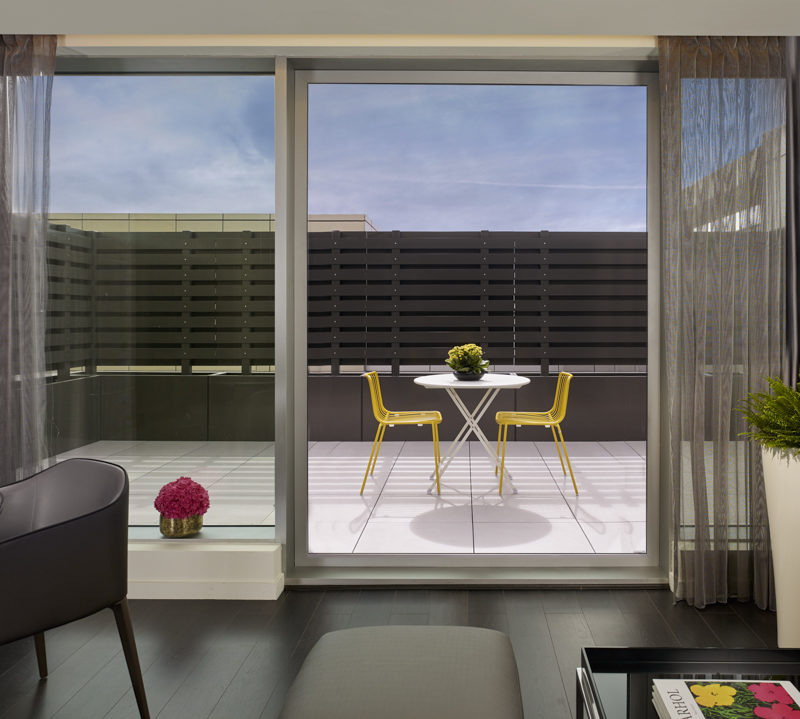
pixel 552 418
pixel 378 409
pixel 559 408
pixel 387 418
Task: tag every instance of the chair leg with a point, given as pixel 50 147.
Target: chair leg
pixel 125 629
pixel 497 451
pixel 41 654
pixel 435 429
pixel 558 449
pixel 563 444
pixel 503 459
pixel 371 455
pixel 378 449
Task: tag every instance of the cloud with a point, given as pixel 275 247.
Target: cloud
pixel 162 144
pixel 432 157
pixel 480 157
pixel 549 186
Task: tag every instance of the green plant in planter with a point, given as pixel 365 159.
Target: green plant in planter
pixel 466 358
pixel 774 418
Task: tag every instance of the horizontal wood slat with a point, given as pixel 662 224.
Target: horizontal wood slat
pixel 528 297
pixel 160 299
pixel 189 298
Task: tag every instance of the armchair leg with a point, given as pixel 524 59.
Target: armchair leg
pixel 125 628
pixel 41 654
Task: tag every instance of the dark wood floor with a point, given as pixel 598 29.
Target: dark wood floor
pixel 236 659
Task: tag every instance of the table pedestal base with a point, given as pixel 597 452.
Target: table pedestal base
pixel 471 427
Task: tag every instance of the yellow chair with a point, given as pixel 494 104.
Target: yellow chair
pixel 390 419
pixel 552 418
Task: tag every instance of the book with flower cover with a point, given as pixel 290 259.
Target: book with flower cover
pixel 725 699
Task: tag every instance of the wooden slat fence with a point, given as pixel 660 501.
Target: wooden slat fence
pixel 387 299
pixel 183 300
pixel 69 335
pixel 405 298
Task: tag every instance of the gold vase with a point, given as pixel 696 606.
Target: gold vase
pixel 185 527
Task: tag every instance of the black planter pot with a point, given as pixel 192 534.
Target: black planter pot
pixel 468 376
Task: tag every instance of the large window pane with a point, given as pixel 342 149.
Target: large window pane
pixel 161 321
pixel 509 216
pixel 477 157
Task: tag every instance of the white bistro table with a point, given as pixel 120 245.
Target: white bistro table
pixel 491 383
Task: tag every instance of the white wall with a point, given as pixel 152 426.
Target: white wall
pixel 415 17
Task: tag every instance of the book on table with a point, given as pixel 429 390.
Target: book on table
pixel 725 699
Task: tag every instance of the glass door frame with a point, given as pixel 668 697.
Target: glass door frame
pixel 292 463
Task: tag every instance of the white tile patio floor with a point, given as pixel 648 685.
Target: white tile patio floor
pixel 239 476
pixel 395 515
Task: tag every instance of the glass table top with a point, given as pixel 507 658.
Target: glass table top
pixel 616 682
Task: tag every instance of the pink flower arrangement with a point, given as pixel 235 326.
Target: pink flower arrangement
pixel 181 499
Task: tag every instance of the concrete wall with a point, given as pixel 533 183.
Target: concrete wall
pixel 599 408
pixel 241 407
pixel 160 407
pixel 73 419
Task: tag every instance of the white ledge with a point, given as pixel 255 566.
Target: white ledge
pixel 198 567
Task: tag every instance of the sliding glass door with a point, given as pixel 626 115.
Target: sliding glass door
pixel 509 211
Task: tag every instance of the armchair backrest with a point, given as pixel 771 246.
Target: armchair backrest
pixel 63 545
pixel 65 491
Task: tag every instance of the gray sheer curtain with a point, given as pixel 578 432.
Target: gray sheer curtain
pixel 27 64
pixel 723 214
pixel 792 207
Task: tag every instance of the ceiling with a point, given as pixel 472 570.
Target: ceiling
pixel 405 17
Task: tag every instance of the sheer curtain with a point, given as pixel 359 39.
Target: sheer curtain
pixel 723 130
pixel 793 207
pixel 27 64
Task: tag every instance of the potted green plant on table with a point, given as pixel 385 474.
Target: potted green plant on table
pixel 182 504
pixel 467 362
pixel 774 421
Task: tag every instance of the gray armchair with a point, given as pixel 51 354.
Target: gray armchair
pixel 64 555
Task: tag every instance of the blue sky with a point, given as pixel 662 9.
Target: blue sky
pixel 412 157
pixel 480 157
pixel 162 144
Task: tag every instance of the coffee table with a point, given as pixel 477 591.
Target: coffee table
pixel 616 682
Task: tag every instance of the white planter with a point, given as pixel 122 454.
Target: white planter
pixel 782 483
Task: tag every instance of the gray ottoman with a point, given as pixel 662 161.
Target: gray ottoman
pixel 418 672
